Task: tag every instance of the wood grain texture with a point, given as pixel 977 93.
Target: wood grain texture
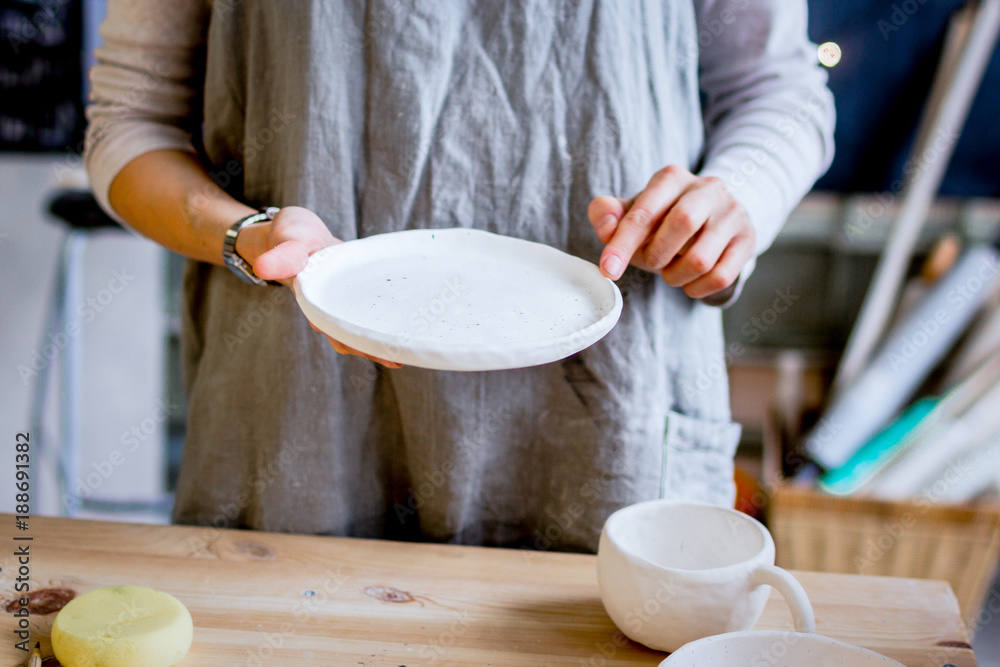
pixel 269 599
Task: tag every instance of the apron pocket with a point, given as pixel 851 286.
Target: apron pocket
pixel 698 460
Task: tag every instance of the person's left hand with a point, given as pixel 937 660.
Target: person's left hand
pixel 687 228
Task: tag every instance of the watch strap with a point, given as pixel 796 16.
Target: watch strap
pixel 239 266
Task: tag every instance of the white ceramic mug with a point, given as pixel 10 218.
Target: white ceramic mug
pixel 672 572
pixel 771 648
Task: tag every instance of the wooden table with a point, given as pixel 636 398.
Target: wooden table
pixel 269 599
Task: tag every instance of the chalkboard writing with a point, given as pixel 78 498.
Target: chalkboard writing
pixel 41 78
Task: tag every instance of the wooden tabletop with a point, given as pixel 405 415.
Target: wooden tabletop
pixel 269 599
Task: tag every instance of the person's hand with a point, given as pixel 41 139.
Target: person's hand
pixel 278 250
pixel 687 228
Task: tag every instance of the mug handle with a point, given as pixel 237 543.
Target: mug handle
pixel 795 596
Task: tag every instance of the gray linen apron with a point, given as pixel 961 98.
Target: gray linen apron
pixel 505 116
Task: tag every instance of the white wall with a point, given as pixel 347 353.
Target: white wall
pixel 122 343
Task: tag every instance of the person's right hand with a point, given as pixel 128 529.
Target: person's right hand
pixel 278 250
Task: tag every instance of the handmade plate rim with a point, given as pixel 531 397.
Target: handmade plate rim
pixel 431 354
pixel 775 635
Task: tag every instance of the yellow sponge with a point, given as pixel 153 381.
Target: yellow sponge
pixel 122 626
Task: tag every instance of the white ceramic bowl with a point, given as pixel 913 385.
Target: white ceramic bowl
pixel 671 572
pixel 757 648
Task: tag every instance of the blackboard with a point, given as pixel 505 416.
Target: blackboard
pixel 41 75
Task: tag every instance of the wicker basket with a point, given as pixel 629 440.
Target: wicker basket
pixel 916 539
pixel 960 545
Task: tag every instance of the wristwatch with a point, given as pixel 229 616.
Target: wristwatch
pixel 232 259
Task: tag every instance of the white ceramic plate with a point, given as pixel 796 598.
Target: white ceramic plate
pixel 457 299
pixel 776 649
